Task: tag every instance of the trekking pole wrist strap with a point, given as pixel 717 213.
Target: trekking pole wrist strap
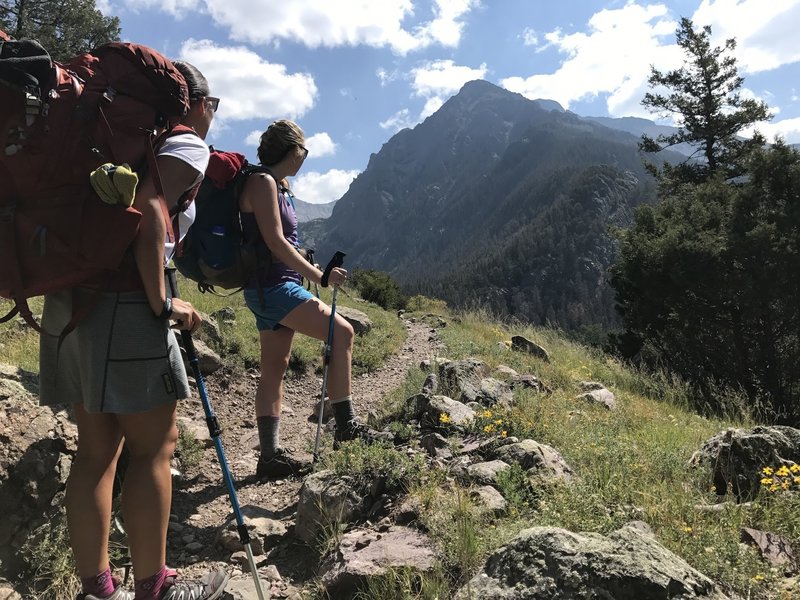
pixel 166 310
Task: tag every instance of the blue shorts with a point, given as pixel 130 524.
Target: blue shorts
pixel 279 301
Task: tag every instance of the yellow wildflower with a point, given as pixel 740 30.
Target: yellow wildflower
pixel 444 418
pixel 786 484
pixel 767 471
pixel 486 414
pixel 797 480
pixel 505 434
pixel 498 422
pixel 687 529
pixel 766 481
pixel 758 577
pixel 795 468
pixel 783 471
pixel 488 428
pixel 773 487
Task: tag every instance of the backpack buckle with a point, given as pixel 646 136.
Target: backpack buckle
pixel 109 94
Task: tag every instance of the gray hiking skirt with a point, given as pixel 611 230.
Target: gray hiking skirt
pixel 119 359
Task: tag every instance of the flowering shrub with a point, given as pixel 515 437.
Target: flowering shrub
pixel 783 479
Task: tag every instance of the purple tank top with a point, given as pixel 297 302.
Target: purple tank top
pixel 270 273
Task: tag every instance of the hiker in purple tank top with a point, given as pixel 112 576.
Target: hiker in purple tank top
pixel 282 306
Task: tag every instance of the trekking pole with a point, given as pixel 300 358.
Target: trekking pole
pixel 214 431
pixel 311 260
pixel 336 261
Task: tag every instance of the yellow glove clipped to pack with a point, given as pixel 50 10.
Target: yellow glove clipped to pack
pixel 115 184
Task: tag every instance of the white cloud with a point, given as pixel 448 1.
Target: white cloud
pixel 443 78
pixel 321 188
pixel 788 129
pixel 386 77
pixel 435 81
pixel 341 22
pixel 765 32
pixel 320 144
pixel 613 57
pixel 431 106
pixel 176 8
pixel 253 138
pixel 399 120
pixel 250 87
pixel 529 37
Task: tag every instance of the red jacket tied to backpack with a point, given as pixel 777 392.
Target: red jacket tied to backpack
pixel 58 123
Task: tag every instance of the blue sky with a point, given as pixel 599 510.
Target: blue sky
pixel 354 72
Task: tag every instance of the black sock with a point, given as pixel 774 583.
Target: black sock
pixel 268 435
pixel 343 411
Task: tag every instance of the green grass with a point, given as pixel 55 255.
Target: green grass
pixel 19 343
pixel 630 463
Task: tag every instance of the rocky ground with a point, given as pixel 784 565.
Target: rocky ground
pixel 201 505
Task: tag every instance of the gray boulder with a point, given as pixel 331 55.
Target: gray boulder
pixel 521 344
pixel 326 499
pixel 493 391
pixel 364 553
pixel 549 563
pixel 37 446
pixel 736 457
pixel 601 396
pixel 485 473
pixel 360 322
pixel 459 414
pixel 208 360
pixel 264 531
pixel 462 378
pixel 489 500
pixel 539 460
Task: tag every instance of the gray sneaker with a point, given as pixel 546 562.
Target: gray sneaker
pixel 210 586
pixel 120 593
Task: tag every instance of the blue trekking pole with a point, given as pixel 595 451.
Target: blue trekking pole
pixel 214 431
pixel 336 261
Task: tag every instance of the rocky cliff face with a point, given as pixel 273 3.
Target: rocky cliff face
pixel 480 176
pixel 307 211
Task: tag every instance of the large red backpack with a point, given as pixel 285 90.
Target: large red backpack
pixel 59 122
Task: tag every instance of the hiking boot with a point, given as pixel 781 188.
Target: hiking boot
pixel 120 593
pixel 209 587
pixel 359 431
pixel 280 464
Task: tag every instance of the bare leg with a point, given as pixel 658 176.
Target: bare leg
pixel 147 492
pixel 89 489
pixel 275 349
pixel 312 318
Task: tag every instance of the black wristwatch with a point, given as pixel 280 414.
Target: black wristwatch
pixel 166 311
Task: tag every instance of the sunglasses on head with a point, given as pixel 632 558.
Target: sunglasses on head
pixel 212 103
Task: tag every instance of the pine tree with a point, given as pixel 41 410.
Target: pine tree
pixel 705 279
pixel 704 95
pixel 64 27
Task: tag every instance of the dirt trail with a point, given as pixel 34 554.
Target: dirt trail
pixel 200 502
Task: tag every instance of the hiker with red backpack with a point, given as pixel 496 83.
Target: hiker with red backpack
pixel 282 306
pixel 121 369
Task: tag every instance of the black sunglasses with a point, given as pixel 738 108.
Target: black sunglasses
pixel 213 103
pixel 304 149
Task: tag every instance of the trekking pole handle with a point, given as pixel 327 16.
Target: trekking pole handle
pixel 186 336
pixel 336 261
